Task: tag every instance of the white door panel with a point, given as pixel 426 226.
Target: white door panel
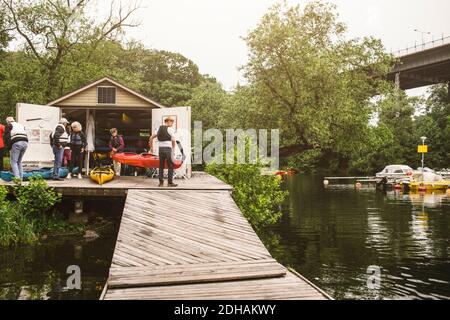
pixel 182 127
pixel 39 121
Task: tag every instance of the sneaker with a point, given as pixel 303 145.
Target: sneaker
pixel 161 184
pixel 69 176
pixel 79 176
pixel 57 179
pixel 172 185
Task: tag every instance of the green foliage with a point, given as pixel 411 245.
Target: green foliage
pixel 36 198
pixel 208 101
pixel 258 196
pixel 29 215
pixel 311 81
pixel 15 226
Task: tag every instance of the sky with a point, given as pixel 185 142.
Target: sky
pixel 210 32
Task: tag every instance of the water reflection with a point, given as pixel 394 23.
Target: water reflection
pixel 332 235
pixel 39 271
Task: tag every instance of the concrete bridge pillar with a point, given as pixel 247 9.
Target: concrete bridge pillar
pixel 448 91
pixel 397 80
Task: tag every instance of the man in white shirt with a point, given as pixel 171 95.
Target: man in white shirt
pixel 166 139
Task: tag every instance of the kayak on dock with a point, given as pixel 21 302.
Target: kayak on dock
pixel 144 160
pixel 102 175
pixel 44 173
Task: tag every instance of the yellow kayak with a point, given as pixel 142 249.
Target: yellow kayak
pixel 102 175
pixel 429 186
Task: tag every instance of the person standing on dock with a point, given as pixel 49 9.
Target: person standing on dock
pixel 166 140
pixel 116 145
pixel 16 139
pixel 67 152
pixel 59 139
pixel 78 144
pixel 2 146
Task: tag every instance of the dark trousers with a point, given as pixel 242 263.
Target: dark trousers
pixel 165 154
pixel 77 158
pixel 2 154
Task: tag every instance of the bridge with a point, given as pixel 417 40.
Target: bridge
pixel 423 65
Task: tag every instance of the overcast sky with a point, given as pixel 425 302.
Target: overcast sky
pixel 209 31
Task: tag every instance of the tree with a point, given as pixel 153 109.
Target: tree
pixel 396 112
pixel 208 102
pixel 4 30
pixel 52 29
pixel 311 82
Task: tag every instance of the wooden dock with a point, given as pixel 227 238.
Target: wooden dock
pixel 189 242
pixel 195 244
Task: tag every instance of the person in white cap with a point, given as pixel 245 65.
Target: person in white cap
pixel 16 139
pixel 59 140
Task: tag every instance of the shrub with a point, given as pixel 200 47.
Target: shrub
pixel 22 220
pixel 15 227
pixel 36 198
pixel 258 196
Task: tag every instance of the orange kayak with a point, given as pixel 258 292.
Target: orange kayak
pixel 144 160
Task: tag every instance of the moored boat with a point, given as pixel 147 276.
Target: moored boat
pixel 425 182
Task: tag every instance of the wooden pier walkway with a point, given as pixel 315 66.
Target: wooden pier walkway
pixel 190 242
pixel 195 244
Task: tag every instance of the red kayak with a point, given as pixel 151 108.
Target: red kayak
pixel 144 160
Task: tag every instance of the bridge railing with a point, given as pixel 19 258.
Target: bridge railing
pixel 422 46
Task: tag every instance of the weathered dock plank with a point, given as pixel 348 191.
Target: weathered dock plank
pixel 194 244
pixel 278 288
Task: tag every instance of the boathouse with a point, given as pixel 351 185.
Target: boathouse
pixel 100 106
pixel 111 105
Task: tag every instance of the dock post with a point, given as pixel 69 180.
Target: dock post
pixel 78 216
pixel 78 207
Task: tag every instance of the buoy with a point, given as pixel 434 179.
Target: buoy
pixel 398 187
pixel 358 185
pixel 326 182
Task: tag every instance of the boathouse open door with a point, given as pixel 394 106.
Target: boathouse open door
pixel 182 127
pixel 39 122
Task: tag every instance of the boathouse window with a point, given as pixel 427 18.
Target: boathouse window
pixel 106 95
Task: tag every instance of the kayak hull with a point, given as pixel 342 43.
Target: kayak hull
pixel 142 160
pixel 101 175
pixel 44 173
pixel 428 186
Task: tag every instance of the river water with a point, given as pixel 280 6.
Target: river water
pixel 333 235
pixel 330 235
pixel 42 270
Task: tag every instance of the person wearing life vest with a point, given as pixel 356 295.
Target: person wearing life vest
pixel 16 139
pixel 59 139
pixel 67 153
pixel 2 146
pixel 116 145
pixel 166 140
pixel 78 144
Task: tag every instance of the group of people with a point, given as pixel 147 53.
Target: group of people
pixel 69 144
